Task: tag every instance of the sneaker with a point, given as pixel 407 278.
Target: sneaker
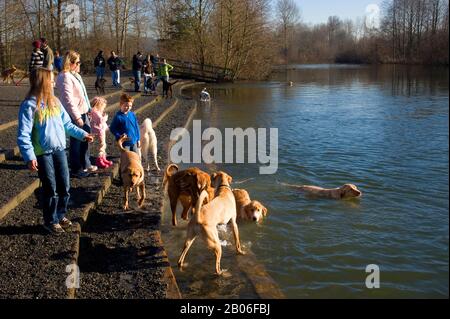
pixel 91 169
pixel 54 228
pixel 80 174
pixel 65 223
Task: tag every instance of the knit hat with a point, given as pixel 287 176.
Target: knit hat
pixel 37 44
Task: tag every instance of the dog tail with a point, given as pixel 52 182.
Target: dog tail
pixel 171 169
pixel 198 205
pixel 120 142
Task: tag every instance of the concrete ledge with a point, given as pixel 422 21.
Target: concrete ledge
pixel 8 125
pixel 165 113
pixel 173 292
pixel 15 201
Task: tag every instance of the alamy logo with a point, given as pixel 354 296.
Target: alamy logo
pixel 73 279
pixel 212 152
pixel 72 20
pixel 373 279
pixel 372 16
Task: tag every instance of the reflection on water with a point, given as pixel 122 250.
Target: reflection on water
pixel 384 129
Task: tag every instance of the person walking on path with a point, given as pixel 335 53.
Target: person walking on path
pixel 43 124
pixel 37 57
pixel 74 98
pixel 100 64
pixel 48 54
pixel 138 63
pixel 115 63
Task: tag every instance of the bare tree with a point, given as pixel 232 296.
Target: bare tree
pixel 288 15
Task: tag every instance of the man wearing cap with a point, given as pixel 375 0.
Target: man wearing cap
pixel 48 54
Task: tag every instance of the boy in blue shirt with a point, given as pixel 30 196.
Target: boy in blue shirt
pixel 126 123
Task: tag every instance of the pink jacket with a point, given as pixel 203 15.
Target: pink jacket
pixel 71 95
pixel 98 122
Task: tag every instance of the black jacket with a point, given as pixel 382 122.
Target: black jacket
pixel 138 62
pixel 114 63
pixel 99 61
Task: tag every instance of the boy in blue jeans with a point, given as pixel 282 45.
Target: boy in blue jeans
pixel 126 123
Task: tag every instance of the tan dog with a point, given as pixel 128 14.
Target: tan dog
pixel 186 201
pixel 221 210
pixel 248 209
pixel 8 74
pixel 189 183
pixel 132 174
pixel 346 191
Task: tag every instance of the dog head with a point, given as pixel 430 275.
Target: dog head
pixel 101 81
pixel 13 68
pixel 133 175
pixel 221 178
pixel 255 211
pixel 349 191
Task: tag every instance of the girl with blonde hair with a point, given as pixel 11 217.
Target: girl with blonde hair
pixel 41 138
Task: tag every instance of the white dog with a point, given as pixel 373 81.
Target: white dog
pixel 204 96
pixel 148 142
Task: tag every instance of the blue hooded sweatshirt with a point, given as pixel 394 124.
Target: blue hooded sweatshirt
pixel 126 124
pixel 35 138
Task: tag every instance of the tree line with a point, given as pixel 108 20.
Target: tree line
pixel 246 36
pixel 409 32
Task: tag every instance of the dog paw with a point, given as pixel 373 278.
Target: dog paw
pixel 241 252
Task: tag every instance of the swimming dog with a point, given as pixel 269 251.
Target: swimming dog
pixel 248 209
pixel 346 191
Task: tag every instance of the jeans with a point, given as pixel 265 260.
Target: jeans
pixel 54 175
pixel 79 151
pixel 132 148
pixel 115 77
pixel 147 87
pixel 137 80
pixel 100 72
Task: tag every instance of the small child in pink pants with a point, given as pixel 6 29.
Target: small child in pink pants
pixel 99 128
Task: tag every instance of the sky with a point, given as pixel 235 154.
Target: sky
pixel 318 11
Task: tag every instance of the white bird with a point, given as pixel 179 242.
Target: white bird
pixel 204 96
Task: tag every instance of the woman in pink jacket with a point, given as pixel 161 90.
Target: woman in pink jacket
pixel 74 98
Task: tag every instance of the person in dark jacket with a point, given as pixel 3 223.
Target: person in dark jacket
pixel 138 63
pixel 100 64
pixel 115 63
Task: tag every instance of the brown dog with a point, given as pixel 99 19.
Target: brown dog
pixel 346 191
pixel 167 88
pixel 100 86
pixel 186 184
pixel 221 210
pixel 132 174
pixel 248 209
pixel 8 74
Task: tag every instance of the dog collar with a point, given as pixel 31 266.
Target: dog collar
pixel 223 185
